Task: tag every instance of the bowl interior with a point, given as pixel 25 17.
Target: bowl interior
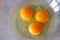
pixel 15 11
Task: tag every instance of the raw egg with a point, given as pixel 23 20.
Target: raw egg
pixel 35 28
pixel 26 13
pixel 42 16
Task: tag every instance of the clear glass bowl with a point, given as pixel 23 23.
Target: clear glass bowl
pixel 11 18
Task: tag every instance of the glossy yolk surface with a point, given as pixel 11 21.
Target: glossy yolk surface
pixel 35 28
pixel 26 13
pixel 41 16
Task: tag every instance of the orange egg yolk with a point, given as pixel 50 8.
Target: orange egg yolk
pixel 41 16
pixel 35 28
pixel 26 13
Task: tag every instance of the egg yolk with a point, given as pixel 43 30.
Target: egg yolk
pixel 35 28
pixel 26 13
pixel 41 16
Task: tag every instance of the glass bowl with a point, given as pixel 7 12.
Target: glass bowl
pixel 14 6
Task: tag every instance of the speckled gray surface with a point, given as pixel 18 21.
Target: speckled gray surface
pixel 5 32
